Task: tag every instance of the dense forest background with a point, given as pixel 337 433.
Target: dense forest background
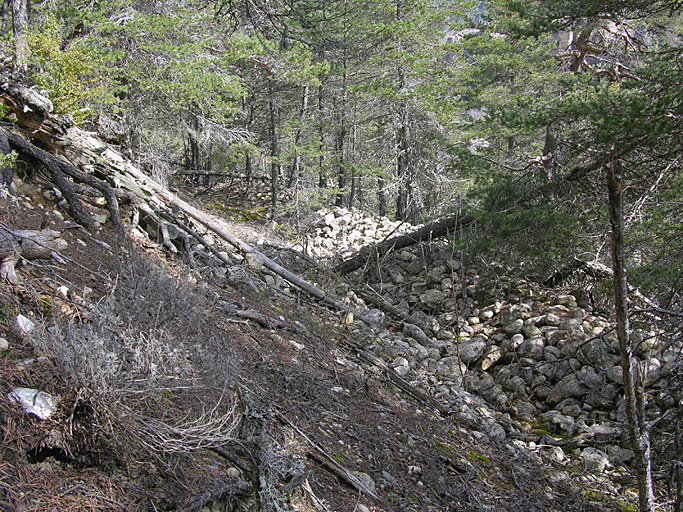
pixel 415 110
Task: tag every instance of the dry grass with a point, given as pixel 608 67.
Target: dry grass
pixel 145 364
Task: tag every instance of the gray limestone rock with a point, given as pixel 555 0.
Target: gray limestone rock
pixel 594 459
pixel 569 386
pixel 416 333
pixel 558 421
pixel 451 368
pixel 525 411
pixel 432 298
pixel 495 431
pixel 514 327
pixel 492 355
pixel 532 348
pixel 551 319
pixel 470 350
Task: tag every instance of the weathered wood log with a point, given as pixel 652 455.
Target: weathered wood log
pixel 32 111
pixel 395 378
pixel 436 229
pixel 40 157
pixel 58 168
pixel 254 258
pixel 81 147
pixel 592 269
pixel 29 244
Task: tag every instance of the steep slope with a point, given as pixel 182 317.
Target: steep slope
pixel 310 409
pixel 192 374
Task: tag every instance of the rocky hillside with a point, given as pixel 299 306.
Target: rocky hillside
pixel 316 419
pixel 156 360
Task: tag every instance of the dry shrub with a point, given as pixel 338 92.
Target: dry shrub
pixel 149 365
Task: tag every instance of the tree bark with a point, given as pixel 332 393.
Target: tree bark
pixel 29 244
pixel 274 150
pixel 381 197
pixel 54 167
pixel 341 140
pixel 633 392
pixel 295 168
pixel 436 229
pixel 40 157
pixel 595 270
pixel 20 25
pixel 322 172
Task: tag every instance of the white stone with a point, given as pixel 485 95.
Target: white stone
pixel 34 402
pixel 4 345
pixel 25 325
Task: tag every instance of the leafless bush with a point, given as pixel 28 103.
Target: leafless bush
pixel 150 364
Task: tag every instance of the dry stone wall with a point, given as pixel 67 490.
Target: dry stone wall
pixel 504 356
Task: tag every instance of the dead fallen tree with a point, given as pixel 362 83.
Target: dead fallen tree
pixel 375 252
pixel 87 156
pixel 57 170
pixel 86 151
pixel 589 268
pixel 29 244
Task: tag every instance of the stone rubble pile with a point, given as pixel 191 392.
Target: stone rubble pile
pixel 340 231
pixel 529 362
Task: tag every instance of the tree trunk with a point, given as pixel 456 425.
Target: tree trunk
pixel 194 161
pixel 381 197
pixel 404 180
pixel 248 171
pixel 402 173
pixel 20 24
pixel 295 169
pixel 5 14
pixel 549 154
pixel 430 231
pixel 341 140
pixel 633 391
pixel 322 173
pixel 274 151
pixel 6 170
pixel 52 165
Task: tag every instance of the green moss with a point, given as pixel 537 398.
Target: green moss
pixel 219 206
pixel 626 506
pixel 476 457
pixel 47 306
pixel 443 446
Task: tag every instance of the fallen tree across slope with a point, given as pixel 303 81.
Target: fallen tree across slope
pixel 437 229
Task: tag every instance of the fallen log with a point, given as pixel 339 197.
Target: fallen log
pixel 81 147
pixel 57 169
pixel 375 299
pixel 592 269
pixel 437 229
pixel 318 453
pixel 85 151
pixel 41 158
pixel 395 378
pixel 26 243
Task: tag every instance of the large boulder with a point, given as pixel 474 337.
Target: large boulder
pixel 470 350
pixel 569 386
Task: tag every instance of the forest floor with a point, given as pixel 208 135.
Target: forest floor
pixel 301 382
